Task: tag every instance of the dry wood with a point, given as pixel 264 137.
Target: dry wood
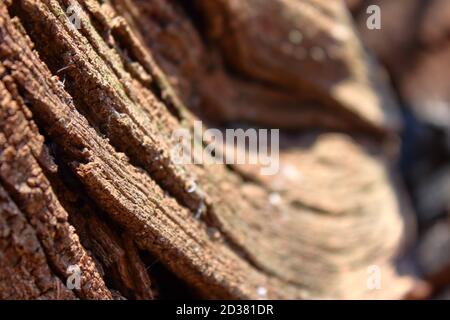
pixel 85 128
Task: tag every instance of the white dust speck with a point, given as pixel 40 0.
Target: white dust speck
pixel 261 292
pixel 192 187
pixel 291 173
pixel 295 37
pixel 317 54
pixel 200 210
pixel 275 199
pixel 213 233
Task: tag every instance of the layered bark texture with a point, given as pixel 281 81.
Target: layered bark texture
pixel 87 178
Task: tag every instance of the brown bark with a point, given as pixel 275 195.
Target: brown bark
pixel 86 176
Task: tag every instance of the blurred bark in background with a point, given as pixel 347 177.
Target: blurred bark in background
pixel 414 45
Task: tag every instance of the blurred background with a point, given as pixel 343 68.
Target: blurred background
pixel 414 46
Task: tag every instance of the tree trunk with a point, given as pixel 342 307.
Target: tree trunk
pixel 87 178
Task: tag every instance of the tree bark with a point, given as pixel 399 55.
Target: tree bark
pixel 87 178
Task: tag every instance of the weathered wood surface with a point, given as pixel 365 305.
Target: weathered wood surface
pixel 86 175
